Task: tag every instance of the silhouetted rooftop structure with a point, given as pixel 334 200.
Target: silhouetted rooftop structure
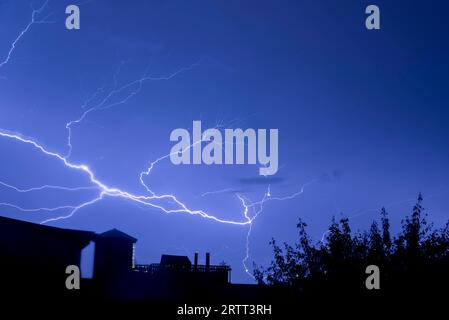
pixel 114 233
pixel 175 261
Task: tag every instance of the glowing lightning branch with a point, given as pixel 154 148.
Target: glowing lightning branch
pixel 44 187
pixel 33 21
pixel 41 188
pixel 226 190
pixel 135 86
pixel 36 209
pixel 75 209
pixel 152 200
pixel 257 209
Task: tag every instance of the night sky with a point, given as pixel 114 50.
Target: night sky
pixel 362 115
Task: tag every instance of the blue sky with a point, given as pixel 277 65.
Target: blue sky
pixel 361 113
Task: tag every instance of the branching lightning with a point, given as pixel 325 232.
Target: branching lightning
pixel 105 103
pixel 36 209
pixel 45 187
pixel 34 20
pixel 166 203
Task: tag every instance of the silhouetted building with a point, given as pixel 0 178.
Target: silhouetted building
pixel 33 257
pixel 114 254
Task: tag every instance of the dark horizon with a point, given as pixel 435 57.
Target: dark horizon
pixel 36 259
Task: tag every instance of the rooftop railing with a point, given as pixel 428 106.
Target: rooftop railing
pixel 155 267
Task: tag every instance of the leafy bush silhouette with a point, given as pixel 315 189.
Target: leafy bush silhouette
pixel 416 259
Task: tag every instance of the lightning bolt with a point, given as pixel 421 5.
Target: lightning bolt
pixel 151 200
pixel 75 209
pixel 166 203
pixel 208 193
pixel 34 20
pixel 258 209
pixel 107 101
pixel 36 209
pixel 45 187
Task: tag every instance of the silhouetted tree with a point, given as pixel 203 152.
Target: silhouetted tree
pixel 417 258
pixel 386 238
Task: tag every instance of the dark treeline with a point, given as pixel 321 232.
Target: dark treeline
pixel 415 261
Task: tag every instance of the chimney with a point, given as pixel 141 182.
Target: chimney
pixel 207 261
pixel 195 263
